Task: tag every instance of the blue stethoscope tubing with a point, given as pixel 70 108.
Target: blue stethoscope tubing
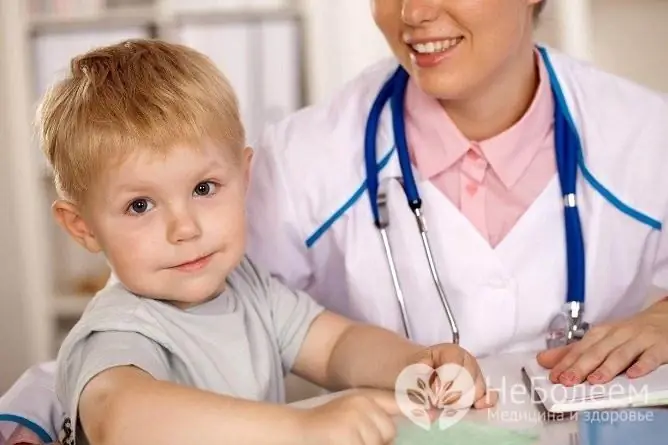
pixel 567 147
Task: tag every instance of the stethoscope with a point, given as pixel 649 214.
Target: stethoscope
pixel 565 327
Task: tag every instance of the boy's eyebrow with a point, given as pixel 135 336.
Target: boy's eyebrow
pixel 215 168
pixel 134 187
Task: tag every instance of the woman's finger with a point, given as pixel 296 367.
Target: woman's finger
pixel 621 358
pixel 549 358
pixel 597 354
pixel 648 361
pixel 561 373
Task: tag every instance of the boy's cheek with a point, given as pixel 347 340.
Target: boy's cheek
pixel 132 252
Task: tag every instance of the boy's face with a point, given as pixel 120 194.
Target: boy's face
pixel 172 227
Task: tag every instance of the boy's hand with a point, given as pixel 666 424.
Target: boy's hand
pixel 450 354
pixel 363 418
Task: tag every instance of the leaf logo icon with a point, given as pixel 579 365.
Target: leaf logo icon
pixel 421 390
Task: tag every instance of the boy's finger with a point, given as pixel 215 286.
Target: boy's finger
pixel 384 398
pixel 489 400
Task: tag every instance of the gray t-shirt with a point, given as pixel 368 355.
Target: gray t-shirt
pixel 240 344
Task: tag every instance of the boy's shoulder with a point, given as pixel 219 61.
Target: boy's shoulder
pixel 113 297
pixel 114 308
pixel 251 283
pixel 110 308
pixel 249 276
pixel 265 295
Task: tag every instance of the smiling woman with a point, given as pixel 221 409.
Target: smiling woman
pixel 505 140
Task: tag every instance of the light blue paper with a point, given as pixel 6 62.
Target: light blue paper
pixel 646 426
pixel 463 433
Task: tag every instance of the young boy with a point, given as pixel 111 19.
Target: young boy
pixel 192 343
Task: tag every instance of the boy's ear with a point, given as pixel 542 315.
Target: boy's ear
pixel 247 160
pixel 69 218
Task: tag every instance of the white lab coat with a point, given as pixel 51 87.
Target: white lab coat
pixel 307 167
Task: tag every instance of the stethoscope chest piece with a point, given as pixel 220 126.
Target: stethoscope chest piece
pixel 567 326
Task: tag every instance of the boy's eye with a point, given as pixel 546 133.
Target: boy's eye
pixel 205 188
pixel 140 206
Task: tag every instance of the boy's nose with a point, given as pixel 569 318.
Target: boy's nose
pixel 183 227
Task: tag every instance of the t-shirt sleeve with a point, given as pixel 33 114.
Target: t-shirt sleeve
pixel 292 313
pixel 101 351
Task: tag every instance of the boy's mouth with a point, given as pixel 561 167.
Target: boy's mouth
pixel 194 265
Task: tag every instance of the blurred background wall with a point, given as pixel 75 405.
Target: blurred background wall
pixel 280 55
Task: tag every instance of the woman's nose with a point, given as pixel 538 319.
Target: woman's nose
pixel 417 12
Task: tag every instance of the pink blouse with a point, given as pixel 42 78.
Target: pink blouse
pixel 492 182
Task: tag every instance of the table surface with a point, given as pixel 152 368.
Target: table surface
pixel 515 409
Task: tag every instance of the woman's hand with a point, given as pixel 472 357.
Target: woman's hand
pixel 636 346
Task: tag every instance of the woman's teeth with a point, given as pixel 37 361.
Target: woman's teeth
pixel 437 46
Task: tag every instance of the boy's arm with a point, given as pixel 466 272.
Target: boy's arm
pixel 125 405
pixel 338 354
pixel 116 387
pixel 332 351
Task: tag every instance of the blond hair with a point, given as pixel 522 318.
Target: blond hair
pixel 135 95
